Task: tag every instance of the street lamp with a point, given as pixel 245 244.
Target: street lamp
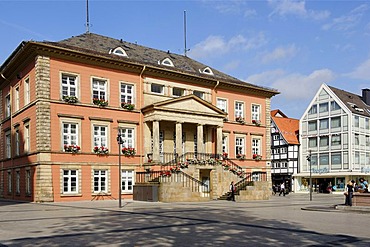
pixel 309 160
pixel 119 142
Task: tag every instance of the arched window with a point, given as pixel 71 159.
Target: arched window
pixel 206 70
pixel 167 62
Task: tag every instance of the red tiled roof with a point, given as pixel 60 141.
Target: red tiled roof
pixel 288 127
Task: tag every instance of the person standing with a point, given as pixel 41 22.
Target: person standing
pixel 232 191
pixel 282 189
pixel 349 193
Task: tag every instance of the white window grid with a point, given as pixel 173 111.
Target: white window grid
pixel 127 93
pixel 69 85
pixel 100 181
pixel 7 106
pixel 222 104
pixel 127 181
pixel 99 89
pixel 100 136
pixel 16 99
pixel 256 146
pixel 8 147
pixel 255 112
pixel 17 182
pixel 70 134
pixel 239 109
pixel 239 146
pixel 70 181
pixel 27 91
pixel 128 137
pixel 26 138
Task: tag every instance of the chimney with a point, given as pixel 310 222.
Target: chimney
pixel 366 96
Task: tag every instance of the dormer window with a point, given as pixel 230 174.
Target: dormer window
pixel 118 51
pixel 166 62
pixel 207 71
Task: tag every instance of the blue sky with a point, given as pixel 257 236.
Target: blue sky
pixel 291 46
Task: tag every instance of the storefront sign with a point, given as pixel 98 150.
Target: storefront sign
pixel 320 171
pixel 365 170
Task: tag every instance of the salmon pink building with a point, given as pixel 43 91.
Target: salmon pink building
pixel 74 111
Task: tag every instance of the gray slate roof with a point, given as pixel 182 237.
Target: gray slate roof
pixel 101 45
pixel 351 99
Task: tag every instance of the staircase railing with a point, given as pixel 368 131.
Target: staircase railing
pixel 249 180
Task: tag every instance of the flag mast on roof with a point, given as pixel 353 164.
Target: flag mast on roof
pixel 185 49
pixel 87 17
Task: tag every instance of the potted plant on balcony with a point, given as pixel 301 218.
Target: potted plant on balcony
pixel 240 119
pixel 100 102
pixel 257 157
pixel 256 122
pixel 101 150
pixel 127 106
pixel 70 99
pixel 71 148
pixel 128 152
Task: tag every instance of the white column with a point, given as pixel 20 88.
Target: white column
pixel 179 138
pixel 200 138
pixel 219 140
pixel 156 140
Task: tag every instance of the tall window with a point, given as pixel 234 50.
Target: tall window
pixel 239 109
pixel 70 134
pixel 7 106
pixel 224 144
pixel 10 184
pixel 357 139
pixel 255 112
pixel 8 147
pixel 100 181
pixel 256 146
pixel 127 178
pixel 239 146
pixel 324 123
pixel 70 181
pixel 99 89
pixel 222 104
pixel 335 122
pixel 16 99
pixel 357 121
pixel 69 85
pixel 26 137
pixel 17 142
pixel 312 142
pixel 335 140
pixel 100 136
pixel 28 182
pixel 312 125
pixel 17 182
pixel 324 141
pixel 128 137
pixel 27 91
pixel 127 93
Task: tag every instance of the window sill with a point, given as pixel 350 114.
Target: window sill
pixel 71 195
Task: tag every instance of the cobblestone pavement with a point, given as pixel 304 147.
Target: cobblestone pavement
pixel 279 221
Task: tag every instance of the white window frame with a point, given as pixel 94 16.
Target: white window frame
pixel 239 145
pixel 239 109
pixel 256 112
pixel 179 92
pixel 127 93
pixel 100 135
pixel 225 144
pixel 17 141
pixel 128 137
pixel 68 137
pixel 256 146
pixel 28 181
pixel 7 105
pixel 127 181
pixel 8 145
pixel 199 94
pixel 17 182
pixel 70 181
pixel 155 86
pixel 16 99
pixel 27 91
pixel 222 104
pixel 99 87
pixel 66 84
pixel 26 137
pixel 100 180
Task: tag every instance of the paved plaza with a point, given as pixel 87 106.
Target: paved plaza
pixel 276 222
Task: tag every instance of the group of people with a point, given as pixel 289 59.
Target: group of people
pixel 352 186
pixel 279 189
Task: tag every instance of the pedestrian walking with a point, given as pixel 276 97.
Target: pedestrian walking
pixel 232 191
pixel 282 189
pixel 349 193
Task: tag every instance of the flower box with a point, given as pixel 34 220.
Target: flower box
pixel 257 157
pixel 240 120
pixel 127 106
pixel 175 169
pixel 71 148
pixel 240 156
pixel 101 150
pixel 225 155
pixel 128 152
pixel 100 102
pixel 256 122
pixel 165 173
pixel 70 99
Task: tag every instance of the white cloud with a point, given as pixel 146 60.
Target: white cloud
pixel 348 21
pixel 280 53
pixel 296 8
pixel 361 72
pixel 214 46
pixel 293 86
